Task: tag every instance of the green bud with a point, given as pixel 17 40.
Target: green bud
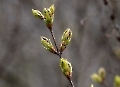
pixel 66 68
pixel 95 77
pixel 49 16
pixel 37 14
pixel 67 35
pixel 66 38
pixel 117 81
pixel 102 72
pixel 48 45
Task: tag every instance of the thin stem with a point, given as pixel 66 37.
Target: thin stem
pixel 59 54
pixel 71 83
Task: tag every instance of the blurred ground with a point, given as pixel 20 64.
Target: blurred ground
pixel 25 63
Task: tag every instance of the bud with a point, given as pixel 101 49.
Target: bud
pixel 102 72
pixel 49 16
pixel 117 81
pixel 48 45
pixel 95 77
pixel 66 68
pixel 66 38
pixel 37 14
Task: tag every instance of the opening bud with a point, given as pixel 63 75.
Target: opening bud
pixel 66 38
pixel 48 45
pixel 66 68
pixel 49 16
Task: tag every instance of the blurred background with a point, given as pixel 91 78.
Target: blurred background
pixel 25 63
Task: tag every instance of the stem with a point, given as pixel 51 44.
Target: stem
pixel 59 54
pixel 71 83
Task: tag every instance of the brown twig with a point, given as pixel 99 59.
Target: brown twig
pixel 52 34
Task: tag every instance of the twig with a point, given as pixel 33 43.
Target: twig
pixel 71 83
pixel 59 54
